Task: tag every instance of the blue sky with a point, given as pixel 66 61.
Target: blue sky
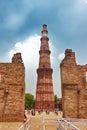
pixel 20 30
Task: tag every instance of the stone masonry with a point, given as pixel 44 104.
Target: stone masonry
pixel 74 87
pixel 12 89
pixel 44 89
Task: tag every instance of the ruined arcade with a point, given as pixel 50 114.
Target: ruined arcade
pixel 74 87
pixel 12 89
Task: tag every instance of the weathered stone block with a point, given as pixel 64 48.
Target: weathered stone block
pixel 74 87
pixel 12 90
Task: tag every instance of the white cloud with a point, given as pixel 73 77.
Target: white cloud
pixel 85 1
pixel 61 56
pixel 53 50
pixel 29 49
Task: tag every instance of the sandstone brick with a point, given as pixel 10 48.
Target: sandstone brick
pixel 44 90
pixel 74 87
pixel 12 90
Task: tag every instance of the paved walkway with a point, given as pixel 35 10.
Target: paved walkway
pixel 49 121
pixel 10 126
pixel 36 121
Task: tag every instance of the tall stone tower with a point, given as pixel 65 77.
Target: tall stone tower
pixel 44 90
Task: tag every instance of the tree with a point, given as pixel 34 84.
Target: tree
pixel 56 99
pixel 29 101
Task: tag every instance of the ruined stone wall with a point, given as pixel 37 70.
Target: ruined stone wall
pixel 74 87
pixel 83 95
pixel 12 89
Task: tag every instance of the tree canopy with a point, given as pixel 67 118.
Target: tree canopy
pixel 29 101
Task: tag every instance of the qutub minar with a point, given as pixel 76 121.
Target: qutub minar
pixel 44 90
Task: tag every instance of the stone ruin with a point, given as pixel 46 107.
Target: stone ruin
pixel 17 58
pixel 12 89
pixel 74 87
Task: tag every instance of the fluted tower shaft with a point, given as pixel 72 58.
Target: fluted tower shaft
pixel 44 90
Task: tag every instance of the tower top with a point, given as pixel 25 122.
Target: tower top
pixel 44 31
pixel 44 27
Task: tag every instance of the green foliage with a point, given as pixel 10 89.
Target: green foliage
pixel 56 99
pixel 29 101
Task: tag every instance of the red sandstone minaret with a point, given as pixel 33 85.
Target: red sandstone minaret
pixel 44 90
